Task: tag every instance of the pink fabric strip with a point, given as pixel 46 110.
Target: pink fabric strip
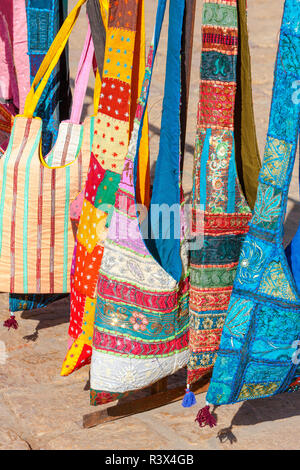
pixel 14 60
pixel 82 78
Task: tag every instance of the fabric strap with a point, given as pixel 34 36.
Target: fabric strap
pixel 165 247
pixel 97 16
pixel 82 78
pixel 50 61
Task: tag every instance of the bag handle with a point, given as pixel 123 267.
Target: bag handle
pixel 167 181
pixel 82 77
pixel 50 61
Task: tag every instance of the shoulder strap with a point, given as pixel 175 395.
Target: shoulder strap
pixel 50 60
pixel 82 78
pixel 164 243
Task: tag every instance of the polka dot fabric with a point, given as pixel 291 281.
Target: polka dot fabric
pixel 114 99
pixel 119 57
pixel 110 143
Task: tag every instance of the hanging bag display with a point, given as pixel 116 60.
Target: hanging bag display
pixel 141 322
pixel 258 352
pixel 225 138
pixel 36 239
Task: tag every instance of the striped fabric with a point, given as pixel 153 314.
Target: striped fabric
pixel 44 19
pixel 36 238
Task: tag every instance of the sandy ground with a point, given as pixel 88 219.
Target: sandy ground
pixel 41 410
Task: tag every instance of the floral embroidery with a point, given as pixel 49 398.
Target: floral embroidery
pixel 276 284
pixel 257 390
pixel 276 159
pixel 139 321
pixel 251 261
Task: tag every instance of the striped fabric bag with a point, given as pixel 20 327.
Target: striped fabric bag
pixel 35 25
pixel 36 239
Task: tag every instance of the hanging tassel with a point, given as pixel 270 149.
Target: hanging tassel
pixel 11 322
pixel 204 417
pixel 189 398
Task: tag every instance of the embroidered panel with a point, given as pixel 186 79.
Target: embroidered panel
pixel 221 213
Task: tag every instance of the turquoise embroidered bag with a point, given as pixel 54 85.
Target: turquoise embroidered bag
pixel 258 356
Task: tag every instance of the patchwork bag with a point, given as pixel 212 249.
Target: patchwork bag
pixel 141 321
pixel 225 138
pixel 123 71
pixel 258 352
pixel 36 191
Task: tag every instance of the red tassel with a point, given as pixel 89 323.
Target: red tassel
pixel 204 417
pixel 11 322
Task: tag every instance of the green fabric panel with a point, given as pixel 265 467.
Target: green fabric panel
pixel 106 193
pixel 219 15
pixel 218 277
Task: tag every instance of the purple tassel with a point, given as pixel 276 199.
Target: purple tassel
pixel 189 398
pixel 11 323
pixel 204 418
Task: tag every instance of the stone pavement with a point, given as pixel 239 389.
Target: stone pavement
pixel 41 410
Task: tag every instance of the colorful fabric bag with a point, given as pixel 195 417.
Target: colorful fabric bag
pixel 36 191
pixel 123 70
pixel 258 351
pixel 141 322
pixel 220 210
